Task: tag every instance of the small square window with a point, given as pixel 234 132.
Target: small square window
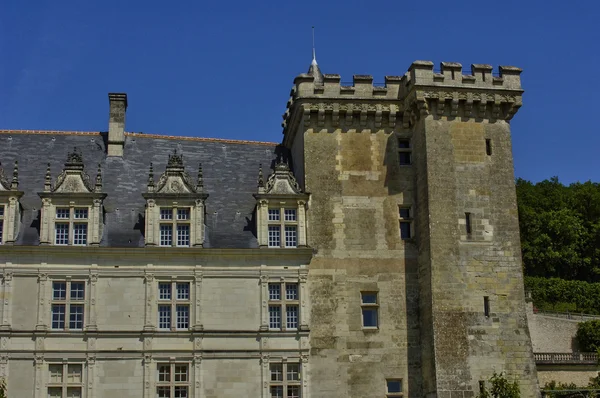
pixel 290 214
pixel 403 143
pixel 274 215
pixel 183 291
pixel 81 213
pixel 166 213
pixel 164 291
pixel 291 291
pixel 274 291
pixel 183 214
pixel 276 371
pixel 62 212
pixel 394 387
pixel 77 290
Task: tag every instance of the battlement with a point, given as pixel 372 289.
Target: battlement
pixel 421 90
pixel 421 73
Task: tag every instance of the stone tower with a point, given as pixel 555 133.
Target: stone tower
pixel 416 279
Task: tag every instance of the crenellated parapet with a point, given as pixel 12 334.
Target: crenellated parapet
pixel 480 95
pixel 401 100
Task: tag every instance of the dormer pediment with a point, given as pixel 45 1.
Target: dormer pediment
pixel 281 182
pixel 175 181
pixel 73 179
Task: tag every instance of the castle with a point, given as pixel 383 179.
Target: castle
pixel 373 253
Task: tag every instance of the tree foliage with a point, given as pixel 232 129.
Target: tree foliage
pixel 555 294
pixel 560 229
pixel 500 387
pixel 588 336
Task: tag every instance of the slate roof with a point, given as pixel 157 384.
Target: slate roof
pixel 230 171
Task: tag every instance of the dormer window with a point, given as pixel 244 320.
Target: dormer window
pixel 71 226
pixel 72 206
pixel 175 207
pixel 283 227
pixel 10 209
pixel 280 210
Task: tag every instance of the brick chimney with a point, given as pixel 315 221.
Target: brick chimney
pixel 116 123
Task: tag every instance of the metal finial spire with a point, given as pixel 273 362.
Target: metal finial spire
pixel 314 60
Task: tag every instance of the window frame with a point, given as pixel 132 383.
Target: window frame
pixel 174 221
pixel 65 385
pixel 285 383
pixel 406 221
pixel 404 150
pixel 68 303
pixel 174 303
pixel 393 394
pixel 172 383
pixel 368 306
pixel 283 225
pixel 284 304
pixel 71 221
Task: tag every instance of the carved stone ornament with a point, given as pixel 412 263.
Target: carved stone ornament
pixel 7 184
pixel 281 182
pixel 175 180
pixel 73 178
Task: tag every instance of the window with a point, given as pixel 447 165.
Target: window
pixel 65 380
pixel 285 380
pixel 180 225
pixel 283 222
pixel 283 306
pixel 173 380
pixel 71 226
pixel 68 304
pixel 406 222
pixel 393 387
pixel 404 152
pixel 488 147
pixel 173 305
pixel 468 225
pixel 486 306
pixel 1 222
pixel 370 309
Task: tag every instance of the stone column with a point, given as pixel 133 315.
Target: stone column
pixel 150 308
pixel 95 223
pixel 43 299
pixel 148 376
pixel 92 298
pixel 303 315
pixel 262 216
pixel 11 218
pixel 197 386
pixel 264 300
pixel 301 223
pixel 265 375
pixel 197 301
pixel 7 293
pixel 198 224
pixel 91 376
pixel 150 236
pixel 46 223
pixel 39 376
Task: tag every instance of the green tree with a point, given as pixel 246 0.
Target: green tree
pixel 500 388
pixel 588 336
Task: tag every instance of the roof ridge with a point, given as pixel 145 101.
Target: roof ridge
pixel 133 134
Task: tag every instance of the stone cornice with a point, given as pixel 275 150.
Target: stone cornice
pixel 152 255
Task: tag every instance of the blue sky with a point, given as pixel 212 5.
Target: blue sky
pixel 224 69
